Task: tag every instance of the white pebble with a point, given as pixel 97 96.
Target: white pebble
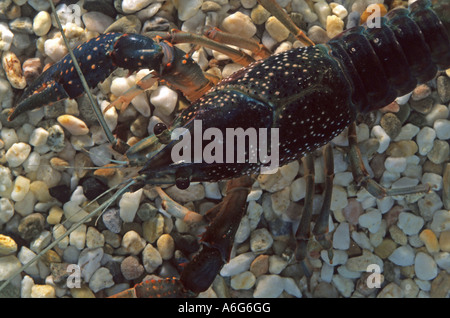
pixel 20 188
pixel 407 132
pixel 442 129
pixel 433 179
pixel 441 221
pixel 341 237
pixel 338 10
pixel 395 164
pixel 339 257
pixel 269 286
pixel 129 204
pixel 6 210
pixel 344 285
pixel 101 279
pixel 38 137
pixel 6 37
pixel 96 21
pixel 338 198
pixel 17 154
pixel 164 99
pixel 402 256
pixel 323 10
pixel 371 220
pixel 13 70
pixel 42 23
pixel 410 223
pixel 131 6
pixel 239 23
pixel 55 49
pixel 100 155
pixel 238 264
pixel 188 8
pixel 73 124
pixel 425 267
pixel 438 111
pixel 78 237
pixel 425 139
pixel 384 139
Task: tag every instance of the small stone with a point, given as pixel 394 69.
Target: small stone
pixel 13 70
pixel 443 88
pixel 238 264
pixel 94 238
pixel 323 10
pixel 153 228
pixel 280 201
pixel 407 132
pixel 391 125
pixel 82 292
pixel 422 106
pixel 410 223
pixel 269 286
pixel 385 249
pixel 6 37
pixel 260 240
pixel 78 237
pixel 7 245
pixel 43 291
pixel 192 193
pixel 131 268
pixel 391 290
pixel 42 23
pixel 96 21
pixel 20 188
pixel 421 91
pixel 402 148
pixel 345 286
pixel 239 23
pixel 164 99
pixel 338 10
pixel 129 204
pixel 276 264
pixel 31 225
pixel 259 15
pixel 353 211
pixel 111 219
pixel 131 6
pixel 440 286
pixel 166 246
pixel 32 68
pixel 101 279
pixel 371 220
pixel 444 241
pixel 89 261
pixel 383 138
pixel 442 129
pixel 429 204
pixel 151 258
pixel 441 221
pixel 243 281
pixel 17 154
pixel 438 111
pixel 425 139
pixel 429 238
pixel 440 152
pixel 276 29
pixel 341 237
pixel 73 124
pixel 402 256
pixel 325 290
pixel 361 263
pixel 260 265
pixel 334 26
pixel 133 243
pixel 425 267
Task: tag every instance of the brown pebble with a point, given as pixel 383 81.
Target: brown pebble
pixel 260 265
pixel 420 92
pixel 440 286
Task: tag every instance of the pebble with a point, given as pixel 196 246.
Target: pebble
pixel 239 23
pixel 73 124
pixel 430 240
pixel 260 265
pixel 402 148
pixel 276 29
pixel 238 264
pixel 323 10
pixel 442 129
pixel 8 265
pixel 440 286
pixel 259 15
pixel 444 241
pixel 133 242
pixel 443 88
pixel 129 204
pixel 20 188
pixel 151 258
pixel 43 291
pixel 131 6
pixel 407 132
pixel 7 245
pixel 89 261
pixel 353 211
pixel 96 21
pixel 17 154
pixel 42 23
pixel 243 281
pixel 438 111
pixel 260 240
pixel 429 204
pixel 384 139
pixel 345 286
pixel 31 225
pixel 402 256
pixel 188 8
pixel 6 37
pixel 131 268
pixel 101 279
pixel 361 263
pixel 94 238
pixel 334 26
pixel 371 220
pixel 194 192
pixel 78 237
pixel 425 139
pixel 420 92
pixel 164 99
pixel 409 223
pixel 341 236
pixel 425 267
pixel 13 70
pixel 441 221
pixel 440 152
pixel 391 290
pixel 385 249
pixel 391 125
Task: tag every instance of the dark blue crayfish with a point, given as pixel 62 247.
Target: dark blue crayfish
pixel 310 94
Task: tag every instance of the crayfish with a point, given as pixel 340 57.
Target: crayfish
pixel 305 96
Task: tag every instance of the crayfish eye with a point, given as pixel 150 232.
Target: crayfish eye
pixel 159 129
pixel 182 180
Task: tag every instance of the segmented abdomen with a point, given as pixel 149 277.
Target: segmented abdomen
pixel 388 60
